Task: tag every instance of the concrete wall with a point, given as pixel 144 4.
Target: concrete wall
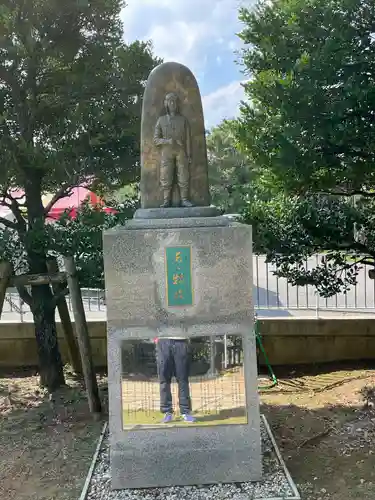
pixel 287 341
pixel 18 344
pixel 290 341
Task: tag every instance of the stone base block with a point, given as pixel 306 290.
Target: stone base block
pixel 183 457
pixel 176 212
pixel 180 281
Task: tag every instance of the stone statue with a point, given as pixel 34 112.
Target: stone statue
pixel 173 137
pixel 172 110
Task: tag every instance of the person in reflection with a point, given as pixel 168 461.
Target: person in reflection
pixel 173 360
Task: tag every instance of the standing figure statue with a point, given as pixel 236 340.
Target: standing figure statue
pixel 172 135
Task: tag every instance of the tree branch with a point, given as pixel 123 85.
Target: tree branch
pixel 25 296
pixel 14 206
pixel 361 248
pixel 4 194
pixel 21 223
pixel 356 246
pixel 368 262
pixel 8 223
pixel 354 192
pixel 5 203
pixel 65 190
pixel 355 263
pixel 7 194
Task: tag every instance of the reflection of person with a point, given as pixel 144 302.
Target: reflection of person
pixel 172 135
pixel 173 360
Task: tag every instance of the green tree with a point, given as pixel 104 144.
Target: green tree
pixel 309 120
pixel 70 100
pixel 234 178
pixel 126 194
pixel 228 168
pixel 310 116
pixel 82 237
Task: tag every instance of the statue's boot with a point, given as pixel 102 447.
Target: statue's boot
pixel 186 203
pixel 167 201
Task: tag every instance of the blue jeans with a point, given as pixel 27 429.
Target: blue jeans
pixel 173 360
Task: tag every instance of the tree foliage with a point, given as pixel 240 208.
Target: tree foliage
pixel 312 93
pixel 71 91
pixel 290 229
pixel 228 169
pixel 234 178
pixel 309 120
pixel 82 237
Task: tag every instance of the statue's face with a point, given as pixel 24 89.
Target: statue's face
pixel 171 103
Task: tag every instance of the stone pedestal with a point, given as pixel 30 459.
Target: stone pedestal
pixel 176 213
pixel 144 300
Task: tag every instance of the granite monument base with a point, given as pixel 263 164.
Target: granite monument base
pixel 181 281
pixel 176 212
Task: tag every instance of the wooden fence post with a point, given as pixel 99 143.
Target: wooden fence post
pixel 5 274
pixel 82 336
pixel 66 322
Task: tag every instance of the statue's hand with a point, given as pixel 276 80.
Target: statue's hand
pixel 179 143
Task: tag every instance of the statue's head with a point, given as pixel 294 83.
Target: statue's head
pixel 171 103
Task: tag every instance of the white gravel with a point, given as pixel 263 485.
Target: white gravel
pixel 274 485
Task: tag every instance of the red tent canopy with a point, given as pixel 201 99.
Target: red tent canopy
pixel 74 201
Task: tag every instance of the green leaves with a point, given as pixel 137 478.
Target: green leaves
pixel 82 238
pixel 233 177
pixel 290 229
pixel 311 67
pixel 12 250
pixel 71 94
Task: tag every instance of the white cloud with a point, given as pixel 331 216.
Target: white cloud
pixel 223 103
pixel 179 42
pixel 200 34
pixel 179 29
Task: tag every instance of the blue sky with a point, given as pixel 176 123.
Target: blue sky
pixel 200 34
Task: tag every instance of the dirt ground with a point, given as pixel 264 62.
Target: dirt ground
pixel 318 417
pixel 325 432
pixel 46 446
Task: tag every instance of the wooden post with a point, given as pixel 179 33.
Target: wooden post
pixel 5 274
pixel 66 322
pixel 83 336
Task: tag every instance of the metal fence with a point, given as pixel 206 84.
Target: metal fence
pixel 276 294
pixel 272 296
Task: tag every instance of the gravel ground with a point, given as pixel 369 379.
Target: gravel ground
pixel 275 484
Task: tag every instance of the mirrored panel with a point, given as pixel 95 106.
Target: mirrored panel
pixel 180 382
